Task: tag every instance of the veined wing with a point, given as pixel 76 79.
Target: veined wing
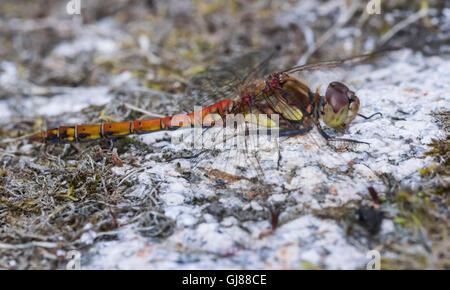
pixel 339 62
pixel 246 148
pixel 233 159
pixel 226 79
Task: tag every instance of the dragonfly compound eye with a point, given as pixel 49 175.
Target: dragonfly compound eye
pixel 337 99
pixel 337 96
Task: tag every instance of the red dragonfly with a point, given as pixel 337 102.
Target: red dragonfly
pixel 298 107
pixel 278 101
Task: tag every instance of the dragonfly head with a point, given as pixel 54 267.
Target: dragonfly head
pixel 341 106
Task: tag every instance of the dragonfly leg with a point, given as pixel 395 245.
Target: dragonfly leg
pixel 329 138
pixel 296 132
pixel 367 118
pixel 347 140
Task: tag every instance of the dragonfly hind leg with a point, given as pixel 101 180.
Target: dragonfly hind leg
pixel 329 138
pixel 296 132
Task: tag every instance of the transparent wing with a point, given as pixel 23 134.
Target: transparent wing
pixel 229 158
pixel 333 63
pixel 226 79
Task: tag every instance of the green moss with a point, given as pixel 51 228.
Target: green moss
pixel 309 266
pixel 440 149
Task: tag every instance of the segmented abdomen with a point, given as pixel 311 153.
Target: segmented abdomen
pixel 81 133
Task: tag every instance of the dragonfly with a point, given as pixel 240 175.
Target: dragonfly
pixel 278 101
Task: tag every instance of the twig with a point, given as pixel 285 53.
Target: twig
pixel 131 173
pixel 330 32
pixel 403 24
pixel 28 245
pixel 11 140
pixel 134 108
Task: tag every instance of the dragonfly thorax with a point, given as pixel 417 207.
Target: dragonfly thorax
pixel 273 81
